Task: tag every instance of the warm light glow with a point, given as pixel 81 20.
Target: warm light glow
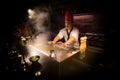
pixel 38 73
pixel 31 13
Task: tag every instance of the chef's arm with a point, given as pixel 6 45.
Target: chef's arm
pixel 71 39
pixel 55 39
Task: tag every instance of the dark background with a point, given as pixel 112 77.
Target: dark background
pixel 13 11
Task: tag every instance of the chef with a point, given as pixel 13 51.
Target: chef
pixel 69 33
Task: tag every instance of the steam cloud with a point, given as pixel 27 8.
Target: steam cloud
pixel 40 20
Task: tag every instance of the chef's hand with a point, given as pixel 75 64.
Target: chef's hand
pixel 53 43
pixel 61 44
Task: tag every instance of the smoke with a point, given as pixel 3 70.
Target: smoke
pixel 40 21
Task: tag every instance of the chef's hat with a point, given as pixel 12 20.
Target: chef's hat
pixel 68 16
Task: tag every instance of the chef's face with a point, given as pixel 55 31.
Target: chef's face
pixel 68 24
